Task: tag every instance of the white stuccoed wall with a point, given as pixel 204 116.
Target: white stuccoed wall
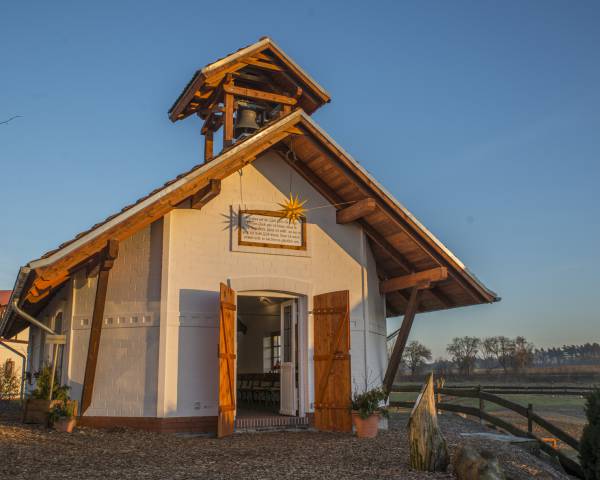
pixel 199 252
pixel 126 374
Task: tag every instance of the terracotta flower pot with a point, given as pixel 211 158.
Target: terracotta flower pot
pixel 365 427
pixel 65 424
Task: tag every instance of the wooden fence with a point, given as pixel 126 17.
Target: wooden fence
pixel 483 395
pixel 511 389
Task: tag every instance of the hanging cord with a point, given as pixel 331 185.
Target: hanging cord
pixel 241 173
pixel 291 158
pixel 332 205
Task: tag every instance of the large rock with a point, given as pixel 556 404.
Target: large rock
pixel 469 464
pixel 428 451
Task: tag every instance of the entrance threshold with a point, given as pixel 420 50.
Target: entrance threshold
pixel 251 421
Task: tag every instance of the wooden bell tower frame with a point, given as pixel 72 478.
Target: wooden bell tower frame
pixel 260 74
pixel 221 110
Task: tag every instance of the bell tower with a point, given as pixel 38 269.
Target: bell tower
pixel 245 91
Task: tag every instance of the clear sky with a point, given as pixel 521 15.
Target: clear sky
pixel 482 117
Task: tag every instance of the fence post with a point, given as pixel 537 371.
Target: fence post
pixel 481 404
pixel 440 384
pixel 529 419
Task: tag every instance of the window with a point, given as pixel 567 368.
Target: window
pixel 271 352
pixel 58 328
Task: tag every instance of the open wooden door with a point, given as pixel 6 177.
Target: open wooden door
pixel 331 312
pixel 227 356
pixel 288 403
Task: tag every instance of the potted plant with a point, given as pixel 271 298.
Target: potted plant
pixel 38 404
pixel 62 416
pixel 367 409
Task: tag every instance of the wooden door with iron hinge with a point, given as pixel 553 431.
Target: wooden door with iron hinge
pixel 227 358
pixel 331 313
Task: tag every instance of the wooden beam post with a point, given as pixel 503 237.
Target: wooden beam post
pixel 407 281
pixel 108 257
pixel 357 210
pixel 396 357
pixel 208 146
pixel 228 116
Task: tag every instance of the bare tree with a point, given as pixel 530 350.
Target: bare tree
pixel 10 119
pixel 415 355
pixel 488 352
pixel 501 348
pixel 464 353
pixel 522 354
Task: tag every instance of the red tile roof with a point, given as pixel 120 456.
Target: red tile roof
pixel 4 297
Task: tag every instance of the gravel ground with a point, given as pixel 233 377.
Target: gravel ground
pixel 31 452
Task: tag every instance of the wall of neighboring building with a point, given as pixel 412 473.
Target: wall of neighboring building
pixel 15 360
pixel 126 373
pixel 200 251
pixel 56 315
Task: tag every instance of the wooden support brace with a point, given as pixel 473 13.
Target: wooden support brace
pixel 108 257
pixel 414 279
pixel 396 357
pixel 360 209
pixel 206 194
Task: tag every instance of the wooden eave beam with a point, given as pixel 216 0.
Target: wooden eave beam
pixel 206 194
pixel 426 277
pixel 356 211
pixel 399 218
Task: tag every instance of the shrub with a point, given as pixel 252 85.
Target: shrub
pixel 42 386
pixel 369 402
pixel 589 450
pixel 9 383
pixel 63 409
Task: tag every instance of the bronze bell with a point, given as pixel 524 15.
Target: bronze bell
pixel 245 121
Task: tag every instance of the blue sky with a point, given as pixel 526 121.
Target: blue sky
pixel 482 117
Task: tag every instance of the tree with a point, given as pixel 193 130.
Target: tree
pixel 9 383
pixel 522 354
pixel 502 349
pixel 589 451
pixel 464 353
pixel 415 355
pixel 488 352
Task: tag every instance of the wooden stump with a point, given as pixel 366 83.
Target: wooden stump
pixel 428 451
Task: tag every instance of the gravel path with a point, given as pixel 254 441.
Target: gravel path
pixel 30 452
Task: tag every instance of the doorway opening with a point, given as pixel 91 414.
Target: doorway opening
pixel 268 370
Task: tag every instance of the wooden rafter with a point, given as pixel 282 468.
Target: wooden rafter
pixel 262 64
pixel 206 194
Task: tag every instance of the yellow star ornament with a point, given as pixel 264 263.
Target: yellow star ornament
pixel 293 209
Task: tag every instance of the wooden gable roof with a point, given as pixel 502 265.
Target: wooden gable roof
pixel 263 59
pixel 400 243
